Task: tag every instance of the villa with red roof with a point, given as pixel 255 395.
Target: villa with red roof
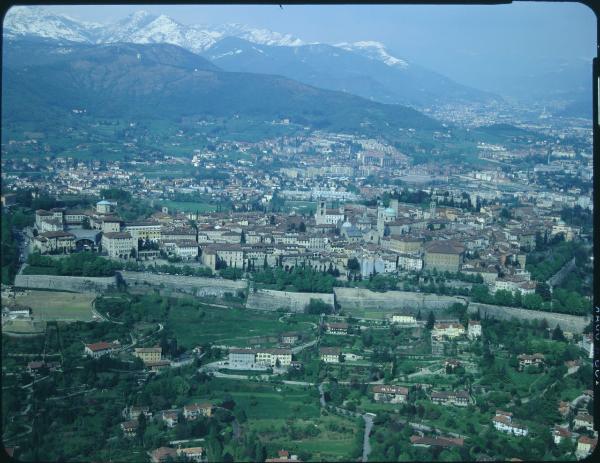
pixel 98 349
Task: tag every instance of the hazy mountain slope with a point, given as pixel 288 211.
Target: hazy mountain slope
pixel 165 81
pixel 336 68
pixel 363 68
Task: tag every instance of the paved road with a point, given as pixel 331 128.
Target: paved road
pixel 297 383
pixel 575 402
pixel 35 381
pixel 322 395
pixel 296 350
pixel 425 371
pixel 23 249
pixel 135 341
pixel 560 275
pixel 218 374
pixel 183 441
pixel 424 427
pixel 72 395
pixel 366 443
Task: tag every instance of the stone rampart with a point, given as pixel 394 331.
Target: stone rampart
pixel 403 302
pixel 196 286
pixel 267 299
pixel 66 283
pixel 572 323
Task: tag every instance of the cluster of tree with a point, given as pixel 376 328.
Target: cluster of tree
pixel 231 273
pixel 381 283
pixel 577 216
pixel 168 269
pixel 135 210
pixel 462 202
pixel 405 195
pixel 80 264
pixel 461 276
pixel 116 194
pixel 391 442
pixel 317 307
pixel 211 174
pixel 571 302
pixel 542 265
pixel 560 300
pixel 10 250
pixel 31 199
pixel 529 337
pixel 301 279
pixel 441 288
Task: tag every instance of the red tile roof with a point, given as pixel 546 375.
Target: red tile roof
pixel 98 346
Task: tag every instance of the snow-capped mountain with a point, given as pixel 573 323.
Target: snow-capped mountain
pixel 139 27
pixel 23 21
pixel 364 68
pixel 259 36
pixel 374 50
pixel 143 27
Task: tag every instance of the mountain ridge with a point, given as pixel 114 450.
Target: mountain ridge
pixel 166 81
pixel 142 27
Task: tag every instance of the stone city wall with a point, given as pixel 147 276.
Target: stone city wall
pixel 403 302
pixel 196 286
pixel 267 299
pixel 66 283
pixel 572 323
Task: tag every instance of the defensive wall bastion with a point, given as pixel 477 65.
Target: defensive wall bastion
pixel 268 299
pixel 196 286
pixel 572 323
pixel 66 283
pixel 405 302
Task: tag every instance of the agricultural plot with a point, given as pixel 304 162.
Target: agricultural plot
pixel 22 327
pixel 289 417
pixel 231 327
pixel 335 439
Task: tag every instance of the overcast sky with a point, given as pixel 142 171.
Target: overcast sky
pixel 467 43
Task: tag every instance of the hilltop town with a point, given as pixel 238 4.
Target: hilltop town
pixel 290 313
pixel 225 243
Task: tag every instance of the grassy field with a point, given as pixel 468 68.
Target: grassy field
pixel 189 206
pixel 23 327
pixel 274 405
pixel 57 305
pixel 370 313
pixel 376 407
pixel 334 442
pixel 226 326
pixel 273 410
pixel 265 401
